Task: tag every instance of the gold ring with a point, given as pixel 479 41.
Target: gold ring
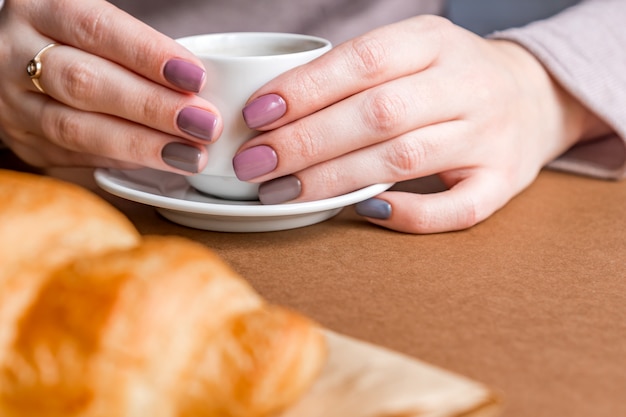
pixel 34 67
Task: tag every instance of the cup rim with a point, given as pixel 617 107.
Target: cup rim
pixel 189 42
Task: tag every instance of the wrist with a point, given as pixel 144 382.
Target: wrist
pixel 569 121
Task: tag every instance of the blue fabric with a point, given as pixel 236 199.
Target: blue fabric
pixel 486 16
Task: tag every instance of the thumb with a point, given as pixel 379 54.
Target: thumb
pixel 465 204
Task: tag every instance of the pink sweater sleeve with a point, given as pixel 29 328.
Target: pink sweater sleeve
pixel 584 48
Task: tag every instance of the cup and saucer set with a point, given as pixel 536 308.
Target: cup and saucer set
pixel 237 64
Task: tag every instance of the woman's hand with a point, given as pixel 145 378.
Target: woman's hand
pixel 117 93
pixel 409 100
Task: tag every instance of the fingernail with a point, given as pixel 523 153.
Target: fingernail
pixel 280 190
pixel 197 122
pixel 255 162
pixel 183 157
pixel 264 110
pixel 184 75
pixel 374 208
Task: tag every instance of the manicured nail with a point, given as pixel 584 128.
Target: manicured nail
pixel 374 208
pixel 183 157
pixel 280 190
pixel 197 122
pixel 255 162
pixel 184 75
pixel 264 110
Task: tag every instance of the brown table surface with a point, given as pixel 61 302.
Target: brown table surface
pixel 531 302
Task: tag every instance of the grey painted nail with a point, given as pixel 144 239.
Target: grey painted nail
pixel 183 157
pixel 374 208
pixel 280 190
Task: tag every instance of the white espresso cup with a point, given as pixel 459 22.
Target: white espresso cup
pixel 238 64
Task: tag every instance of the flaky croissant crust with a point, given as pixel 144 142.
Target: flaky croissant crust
pixel 157 327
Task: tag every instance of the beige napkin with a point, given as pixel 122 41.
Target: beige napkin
pixel 362 380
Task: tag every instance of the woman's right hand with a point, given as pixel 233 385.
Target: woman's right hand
pixel 117 92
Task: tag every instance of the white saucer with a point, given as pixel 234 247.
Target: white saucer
pixel 177 201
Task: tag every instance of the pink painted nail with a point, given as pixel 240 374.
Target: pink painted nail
pixel 197 122
pixel 254 162
pixel 264 110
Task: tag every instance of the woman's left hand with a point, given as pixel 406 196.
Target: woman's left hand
pixel 413 99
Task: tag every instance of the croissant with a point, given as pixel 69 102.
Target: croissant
pixel 141 326
pixel 45 223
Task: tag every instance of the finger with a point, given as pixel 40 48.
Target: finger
pixel 379 56
pixel 112 138
pixel 417 154
pixel 43 154
pixel 467 203
pixel 91 83
pixel 102 29
pixel 365 119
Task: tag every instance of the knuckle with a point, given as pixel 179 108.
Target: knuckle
pixel 131 149
pixel 304 145
pixel 327 178
pixel 78 79
pixel 146 53
pixel 437 32
pixel 370 56
pixel 134 148
pixel 93 29
pixel 64 129
pixel 153 111
pixel 309 86
pixel 438 28
pixel 91 26
pixel 435 23
pixel 406 157
pixel 385 112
